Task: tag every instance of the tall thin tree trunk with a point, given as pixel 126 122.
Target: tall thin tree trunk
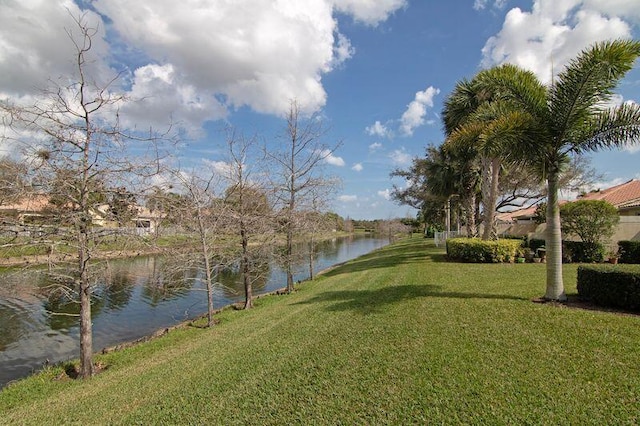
pixel 470 212
pixel 491 176
pixel 311 252
pixel 86 337
pixel 469 202
pixel 207 267
pixel 289 258
pixel 209 282
pixel 447 218
pixel 244 266
pixel 555 285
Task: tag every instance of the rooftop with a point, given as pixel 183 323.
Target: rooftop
pixel 621 196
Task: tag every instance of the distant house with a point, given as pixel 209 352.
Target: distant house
pixel 520 216
pixel 147 220
pixel 36 208
pixel 25 210
pixel 517 216
pixel 625 197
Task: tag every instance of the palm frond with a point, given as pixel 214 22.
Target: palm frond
pixel 588 80
pixel 613 128
pixel 511 83
pixel 462 102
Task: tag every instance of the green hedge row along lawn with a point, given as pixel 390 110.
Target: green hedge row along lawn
pixel 398 336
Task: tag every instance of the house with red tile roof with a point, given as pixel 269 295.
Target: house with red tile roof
pixel 37 208
pixel 625 197
pixel 25 209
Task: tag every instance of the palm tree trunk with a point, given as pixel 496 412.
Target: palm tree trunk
pixel 469 202
pixel 555 285
pixel 490 178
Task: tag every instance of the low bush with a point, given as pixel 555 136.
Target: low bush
pixel 474 250
pixel 629 251
pixel 609 285
pixel 580 251
pixel 534 244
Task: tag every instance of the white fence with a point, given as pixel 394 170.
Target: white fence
pixel 441 237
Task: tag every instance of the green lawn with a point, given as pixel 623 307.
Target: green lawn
pixel 396 337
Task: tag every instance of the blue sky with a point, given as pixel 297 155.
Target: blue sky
pixel 377 71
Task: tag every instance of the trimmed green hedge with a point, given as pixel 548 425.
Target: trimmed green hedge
pixel 475 250
pixel 629 251
pixel 610 285
pixel 579 251
pixel 534 244
pixel 575 251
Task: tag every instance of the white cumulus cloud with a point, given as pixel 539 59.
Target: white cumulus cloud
pixel 159 93
pixel 332 159
pixel 414 115
pixel 369 11
pixel 544 39
pixel 378 129
pixel 195 60
pixel 348 198
pixel 400 157
pixel 376 146
pixel 357 167
pixel 386 194
pixel 35 47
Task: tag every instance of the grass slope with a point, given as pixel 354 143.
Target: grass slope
pixel 397 336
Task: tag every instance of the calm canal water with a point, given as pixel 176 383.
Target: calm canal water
pixel 134 298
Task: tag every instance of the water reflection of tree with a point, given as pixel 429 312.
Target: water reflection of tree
pixel 63 311
pixel 230 279
pixel 168 280
pixel 118 286
pixel 61 303
pixel 12 325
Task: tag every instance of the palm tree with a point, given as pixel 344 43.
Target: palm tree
pixel 432 179
pixel 466 168
pixel 571 117
pixel 476 116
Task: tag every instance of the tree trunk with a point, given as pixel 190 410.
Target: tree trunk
pixel 246 279
pixel 555 285
pixel 490 179
pixel 207 267
pixel 244 266
pixel 447 218
pixel 289 258
pixel 209 282
pixel 469 202
pixel 311 252
pixel 86 337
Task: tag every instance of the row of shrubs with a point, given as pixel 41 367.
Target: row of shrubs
pixel 629 251
pixel 605 285
pixel 478 251
pixel 608 285
pixel 508 249
pixel 578 251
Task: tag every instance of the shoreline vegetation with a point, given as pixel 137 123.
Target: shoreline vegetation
pixel 133 248
pixel 399 335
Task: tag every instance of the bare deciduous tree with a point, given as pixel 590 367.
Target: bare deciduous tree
pixel 203 210
pixel 79 146
pixel 300 184
pixel 249 207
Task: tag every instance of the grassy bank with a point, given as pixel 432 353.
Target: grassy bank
pixel 397 336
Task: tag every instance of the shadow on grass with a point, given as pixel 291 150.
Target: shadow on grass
pixel 373 301
pixel 387 257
